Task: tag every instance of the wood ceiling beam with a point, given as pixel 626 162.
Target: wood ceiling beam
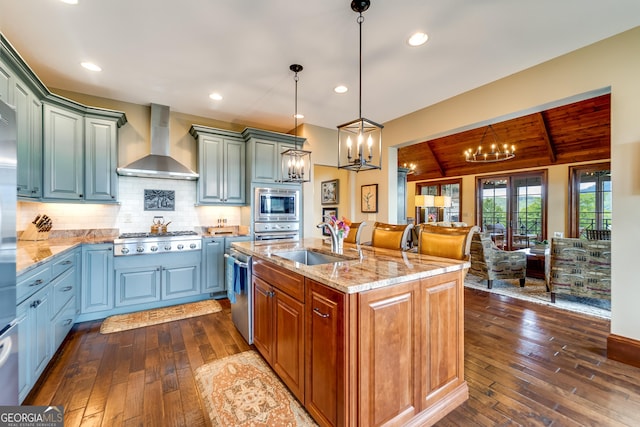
pixel 544 133
pixel 435 158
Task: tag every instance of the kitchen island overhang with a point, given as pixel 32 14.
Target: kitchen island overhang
pixel 374 338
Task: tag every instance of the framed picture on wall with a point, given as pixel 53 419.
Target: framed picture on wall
pixel 325 212
pixel 329 192
pixel 369 198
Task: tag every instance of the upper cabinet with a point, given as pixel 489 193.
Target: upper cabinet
pixel 264 153
pixel 66 150
pixel 221 165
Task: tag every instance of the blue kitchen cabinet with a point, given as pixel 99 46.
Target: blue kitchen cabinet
pixel 182 280
pixel 213 264
pixel 264 153
pixel 97 278
pixel 137 285
pixel 5 82
pixel 29 137
pixel 101 160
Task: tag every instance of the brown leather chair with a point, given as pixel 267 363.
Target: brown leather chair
pixel 445 242
pixel 391 236
pixel 354 232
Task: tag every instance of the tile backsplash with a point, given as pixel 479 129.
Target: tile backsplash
pixel 129 216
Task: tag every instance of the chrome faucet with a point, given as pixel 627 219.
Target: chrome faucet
pixel 332 231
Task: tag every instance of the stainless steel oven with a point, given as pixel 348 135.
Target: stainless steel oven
pixel 276 205
pixel 276 230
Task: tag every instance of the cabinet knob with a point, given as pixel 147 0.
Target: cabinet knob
pixel 67 288
pixel 68 322
pixel 317 311
pixel 271 294
pixel 67 262
pixel 37 282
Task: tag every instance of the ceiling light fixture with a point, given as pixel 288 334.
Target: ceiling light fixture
pixel 296 163
pixel 340 89
pixel 411 168
pixel 418 39
pixel 216 96
pixel 91 66
pixel 362 130
pixel 69 1
pixel 497 152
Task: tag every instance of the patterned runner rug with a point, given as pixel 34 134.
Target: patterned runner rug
pixel 242 390
pixel 535 291
pixel 139 319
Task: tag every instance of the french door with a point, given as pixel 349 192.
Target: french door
pixel 512 208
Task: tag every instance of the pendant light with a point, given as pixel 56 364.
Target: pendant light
pixel 496 152
pixel 296 162
pixel 360 141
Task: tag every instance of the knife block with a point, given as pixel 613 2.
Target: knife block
pixel 33 234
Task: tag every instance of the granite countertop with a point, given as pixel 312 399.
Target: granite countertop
pixel 363 268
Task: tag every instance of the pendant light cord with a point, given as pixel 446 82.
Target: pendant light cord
pixel 360 21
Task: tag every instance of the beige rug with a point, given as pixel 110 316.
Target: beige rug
pixel 139 319
pixel 242 390
pixel 536 291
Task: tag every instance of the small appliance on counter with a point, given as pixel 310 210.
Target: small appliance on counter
pixel 38 229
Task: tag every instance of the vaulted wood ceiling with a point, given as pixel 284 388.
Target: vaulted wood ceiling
pixel 575 132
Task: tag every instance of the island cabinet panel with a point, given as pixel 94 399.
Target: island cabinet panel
pixel 389 373
pixel 326 367
pixel 263 318
pixel 288 361
pixel 442 346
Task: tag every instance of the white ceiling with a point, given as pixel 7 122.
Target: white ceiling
pixel 177 52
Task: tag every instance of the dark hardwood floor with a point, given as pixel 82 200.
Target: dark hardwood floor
pixel 526 364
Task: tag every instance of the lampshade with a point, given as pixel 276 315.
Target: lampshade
pixel 424 200
pixel 442 201
pixel 296 163
pixel 360 140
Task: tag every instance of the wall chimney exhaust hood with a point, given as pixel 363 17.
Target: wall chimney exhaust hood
pixel 158 164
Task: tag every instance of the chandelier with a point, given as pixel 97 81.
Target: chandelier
pixel 360 141
pixel 495 153
pixel 411 168
pixel 296 163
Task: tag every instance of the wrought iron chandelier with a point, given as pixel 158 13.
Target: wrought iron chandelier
pixel 360 141
pixel 496 152
pixel 296 162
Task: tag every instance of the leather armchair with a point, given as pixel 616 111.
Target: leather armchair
pixel 491 263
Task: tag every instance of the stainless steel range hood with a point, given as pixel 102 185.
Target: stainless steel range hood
pixel 158 164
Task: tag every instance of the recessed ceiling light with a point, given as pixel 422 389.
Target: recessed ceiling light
pixel 69 1
pixel 216 96
pixel 91 66
pixel 418 39
pixel 298 116
pixel 340 89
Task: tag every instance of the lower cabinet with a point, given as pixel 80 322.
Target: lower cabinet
pixel 279 324
pixel 97 278
pixel 213 264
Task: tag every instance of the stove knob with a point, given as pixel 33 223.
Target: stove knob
pixel 140 249
pixel 192 246
pixel 167 247
pixel 154 248
pixel 124 250
pixel 180 246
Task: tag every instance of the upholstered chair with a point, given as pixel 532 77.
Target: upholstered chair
pixel 391 236
pixel 354 232
pixel 446 242
pixel 491 263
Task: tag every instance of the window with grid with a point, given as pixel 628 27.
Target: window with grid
pixel 590 199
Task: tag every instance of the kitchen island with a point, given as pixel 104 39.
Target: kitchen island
pixel 369 337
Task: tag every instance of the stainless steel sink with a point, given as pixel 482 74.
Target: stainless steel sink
pixel 308 257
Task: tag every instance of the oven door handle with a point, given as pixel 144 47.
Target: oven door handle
pixel 239 263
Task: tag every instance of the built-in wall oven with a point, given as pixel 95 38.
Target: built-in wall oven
pixel 276 213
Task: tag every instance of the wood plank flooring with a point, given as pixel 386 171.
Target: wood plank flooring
pixel 526 364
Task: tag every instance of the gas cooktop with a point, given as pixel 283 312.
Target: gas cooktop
pixel 167 234
pixel 156 243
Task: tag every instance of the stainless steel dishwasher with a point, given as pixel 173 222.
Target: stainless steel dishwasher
pixel 238 281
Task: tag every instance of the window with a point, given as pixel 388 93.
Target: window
pixel 512 208
pixel 449 188
pixel 590 198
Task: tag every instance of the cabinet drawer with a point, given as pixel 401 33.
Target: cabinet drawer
pixel 287 281
pixel 32 281
pixel 63 290
pixel 63 323
pixel 63 263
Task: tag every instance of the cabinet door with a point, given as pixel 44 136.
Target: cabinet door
pixel 442 320
pixel 39 341
pixel 235 176
pixel 101 160
pixel 288 351
pixel 5 84
pixel 24 337
pixel 137 285
pixel 325 395
pixel 182 281
pixel 210 159
pixel 265 166
pixel 97 278
pixel 63 154
pixel 213 266
pixel 263 318
pixel 29 137
pixel 388 352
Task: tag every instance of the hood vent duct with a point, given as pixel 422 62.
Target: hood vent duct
pixel 158 164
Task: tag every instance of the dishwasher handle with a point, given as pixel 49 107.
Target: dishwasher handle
pixel 239 263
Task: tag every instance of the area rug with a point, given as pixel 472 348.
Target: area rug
pixel 241 390
pixel 536 291
pixel 156 316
